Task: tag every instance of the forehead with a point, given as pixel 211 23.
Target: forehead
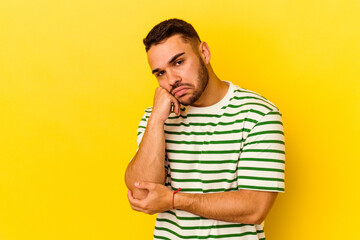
pixel 159 55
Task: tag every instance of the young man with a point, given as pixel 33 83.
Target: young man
pixel 221 144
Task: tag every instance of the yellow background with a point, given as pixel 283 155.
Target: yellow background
pixel 74 82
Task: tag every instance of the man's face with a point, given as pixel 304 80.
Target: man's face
pixel 179 69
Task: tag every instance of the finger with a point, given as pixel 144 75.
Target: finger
pixel 176 106
pixel 132 200
pixel 136 208
pixel 130 197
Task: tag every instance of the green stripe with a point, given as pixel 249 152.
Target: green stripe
pixel 251 92
pixel 202 152
pixel 218 115
pixel 249 97
pixel 223 151
pixel 226 170
pixel 262 160
pixel 202 161
pixel 215 190
pixel 261 188
pixel 206 142
pixel 251 103
pixel 265 141
pixel 228 180
pixel 248 91
pixel 261 169
pixel 203 181
pixel 208 133
pixel 210 123
pixel 269 122
pixel 226 161
pixel 239 187
pixel 161 237
pixel 204 237
pixel 204 171
pixel 261 178
pixel 185 218
pixel 265 132
pixel 200 227
pixel 264 150
pixel 275 113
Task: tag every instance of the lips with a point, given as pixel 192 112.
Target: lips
pixel 180 91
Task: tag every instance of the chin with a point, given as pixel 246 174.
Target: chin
pixel 186 101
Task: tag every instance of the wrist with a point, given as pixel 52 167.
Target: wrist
pixel 174 193
pixel 187 201
pixel 181 201
pixel 156 122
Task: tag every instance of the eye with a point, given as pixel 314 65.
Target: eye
pixel 160 73
pixel 179 62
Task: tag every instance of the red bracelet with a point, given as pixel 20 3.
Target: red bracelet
pixel 174 197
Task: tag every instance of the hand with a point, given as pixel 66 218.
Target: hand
pixel 159 198
pixel 163 101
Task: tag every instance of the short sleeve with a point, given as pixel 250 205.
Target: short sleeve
pixel 142 126
pixel 261 163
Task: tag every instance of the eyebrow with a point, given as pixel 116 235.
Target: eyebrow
pixel 171 60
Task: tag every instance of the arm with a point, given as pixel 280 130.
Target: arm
pixel 242 206
pixel 148 162
pixel 266 143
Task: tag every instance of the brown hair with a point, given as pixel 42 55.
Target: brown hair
pixel 169 28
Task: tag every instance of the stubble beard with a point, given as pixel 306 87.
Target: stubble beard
pixel 203 79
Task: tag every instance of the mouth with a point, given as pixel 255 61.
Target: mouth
pixel 180 91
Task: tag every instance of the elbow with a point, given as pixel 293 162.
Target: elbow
pixel 253 219
pixel 257 217
pixel 136 192
pixel 257 211
pixel 127 179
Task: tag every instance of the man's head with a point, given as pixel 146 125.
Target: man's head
pixel 169 28
pixel 178 59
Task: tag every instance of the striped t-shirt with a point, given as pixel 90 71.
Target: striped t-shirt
pixel 237 143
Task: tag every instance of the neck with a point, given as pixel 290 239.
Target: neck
pixel 213 93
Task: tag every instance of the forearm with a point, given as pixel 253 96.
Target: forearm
pixel 244 206
pixel 148 162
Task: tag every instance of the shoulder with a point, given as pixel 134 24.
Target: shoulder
pixel 251 101
pixel 145 117
pixel 147 113
pixel 148 110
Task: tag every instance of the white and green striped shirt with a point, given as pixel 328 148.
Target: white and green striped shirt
pixel 237 143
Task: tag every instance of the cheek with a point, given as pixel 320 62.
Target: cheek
pixel 189 71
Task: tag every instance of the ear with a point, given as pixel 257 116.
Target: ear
pixel 205 52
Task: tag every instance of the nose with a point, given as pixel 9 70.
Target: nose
pixel 173 77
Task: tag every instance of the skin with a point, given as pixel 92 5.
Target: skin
pixel 183 71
